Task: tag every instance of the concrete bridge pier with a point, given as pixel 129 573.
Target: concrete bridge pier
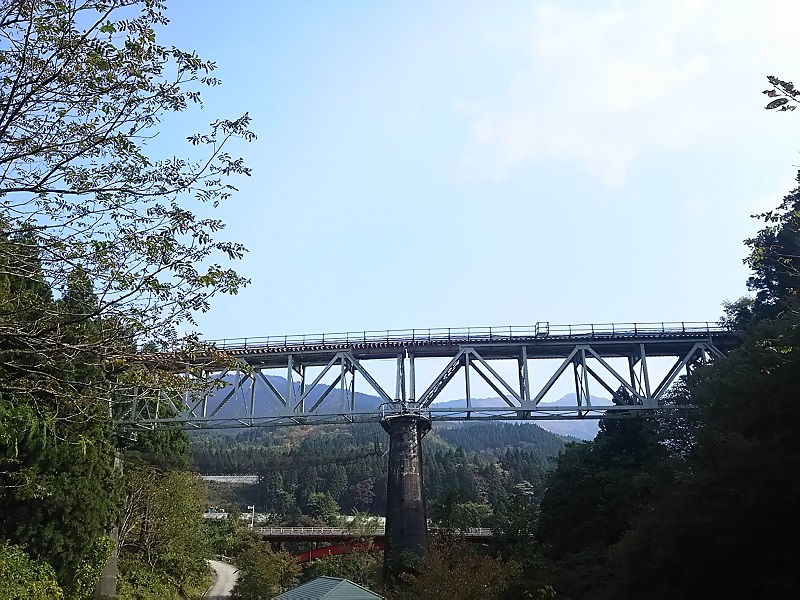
pixel 406 538
pixel 107 585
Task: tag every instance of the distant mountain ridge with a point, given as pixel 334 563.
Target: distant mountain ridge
pixel 267 403
pixel 584 429
pixel 235 407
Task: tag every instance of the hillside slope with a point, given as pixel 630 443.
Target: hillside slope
pixel 305 471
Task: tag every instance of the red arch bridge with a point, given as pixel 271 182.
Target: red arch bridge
pixel 342 540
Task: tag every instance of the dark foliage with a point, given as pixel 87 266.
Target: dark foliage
pixel 703 505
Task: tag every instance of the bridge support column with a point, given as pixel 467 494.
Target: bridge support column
pixel 406 539
pixel 107 585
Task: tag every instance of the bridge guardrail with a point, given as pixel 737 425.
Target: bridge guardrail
pixel 312 531
pixel 540 330
pixel 344 532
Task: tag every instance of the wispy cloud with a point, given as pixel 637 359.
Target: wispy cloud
pixel 606 85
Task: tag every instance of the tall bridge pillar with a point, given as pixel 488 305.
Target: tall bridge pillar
pixel 107 585
pixel 406 538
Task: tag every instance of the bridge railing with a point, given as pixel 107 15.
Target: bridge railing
pixel 345 532
pixel 635 329
pixel 315 531
pixel 461 335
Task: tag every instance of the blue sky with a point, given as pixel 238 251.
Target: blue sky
pixel 481 163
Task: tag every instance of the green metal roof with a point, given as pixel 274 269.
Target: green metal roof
pixel 329 588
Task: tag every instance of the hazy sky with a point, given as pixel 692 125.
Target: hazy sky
pixel 453 163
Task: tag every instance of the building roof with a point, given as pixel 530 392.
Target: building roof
pixel 329 588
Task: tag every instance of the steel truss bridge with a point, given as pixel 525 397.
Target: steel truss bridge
pixel 305 361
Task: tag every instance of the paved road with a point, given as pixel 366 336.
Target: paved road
pixel 224 580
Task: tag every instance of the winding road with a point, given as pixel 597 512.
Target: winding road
pixel 224 579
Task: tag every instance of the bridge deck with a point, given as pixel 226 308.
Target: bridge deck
pixel 541 340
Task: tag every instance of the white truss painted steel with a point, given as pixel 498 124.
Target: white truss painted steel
pixel 587 350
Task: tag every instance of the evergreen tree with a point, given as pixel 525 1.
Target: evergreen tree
pixel 594 497
pixel 60 492
pixel 729 513
pixel 720 523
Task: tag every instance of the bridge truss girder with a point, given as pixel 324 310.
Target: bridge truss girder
pixel 589 362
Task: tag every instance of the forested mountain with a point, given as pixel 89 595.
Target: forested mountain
pixel 267 403
pixel 305 471
pixel 494 438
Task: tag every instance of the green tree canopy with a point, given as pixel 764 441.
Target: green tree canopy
pixel 26 579
pixel 84 86
pixel 775 257
pixel 263 574
pixel 100 252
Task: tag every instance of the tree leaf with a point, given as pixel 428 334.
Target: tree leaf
pixel 776 103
